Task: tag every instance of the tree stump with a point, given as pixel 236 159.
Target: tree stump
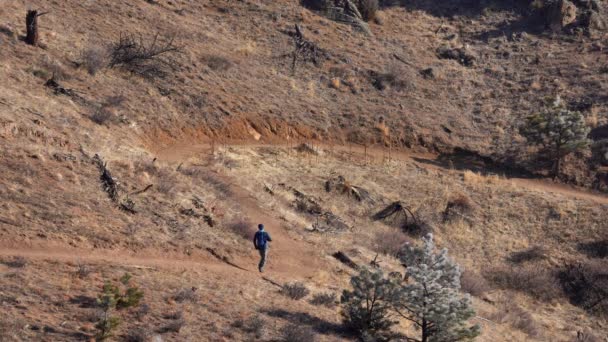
pixel 31 25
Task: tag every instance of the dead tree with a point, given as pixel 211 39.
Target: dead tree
pixel 31 27
pixel 304 50
pixel 397 213
pixel 109 185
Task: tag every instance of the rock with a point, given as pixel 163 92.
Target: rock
pixel 428 73
pixel 459 54
pixel 561 14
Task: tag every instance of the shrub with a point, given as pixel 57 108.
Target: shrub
pixel 417 228
pixel 558 131
pixel 586 285
pixel 368 9
pixel 431 299
pixel 138 334
pixel 254 325
pixel 149 59
pixel 367 307
pixel 101 115
pixel 243 228
pixel 112 298
pixel 176 323
pixel 188 294
pixel 296 333
pixel 534 253
pixel 295 291
pixel 324 299
pixel 218 63
pixel 457 207
pixel 16 262
pixel 94 59
pixel 517 317
pixel 390 242
pixel 534 280
pixel 473 283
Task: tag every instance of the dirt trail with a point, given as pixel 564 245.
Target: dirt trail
pixel 181 152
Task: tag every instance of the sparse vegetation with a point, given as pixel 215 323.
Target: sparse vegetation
pixel 325 299
pixel 533 279
pixel 586 285
pixel 16 262
pixel 297 333
pixel 186 294
pixel 473 283
pixel 295 291
pixel 94 59
pixel 390 242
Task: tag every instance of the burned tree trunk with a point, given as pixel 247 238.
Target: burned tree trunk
pixel 31 26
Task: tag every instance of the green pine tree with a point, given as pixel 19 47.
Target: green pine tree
pixel 558 130
pixel 367 308
pixel 431 298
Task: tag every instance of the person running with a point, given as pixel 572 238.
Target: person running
pixel 260 242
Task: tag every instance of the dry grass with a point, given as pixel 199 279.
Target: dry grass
pixel 390 242
pixel 473 283
pixel 535 280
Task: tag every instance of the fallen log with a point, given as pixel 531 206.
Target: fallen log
pixel 343 258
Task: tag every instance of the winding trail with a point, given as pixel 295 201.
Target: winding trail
pixel 289 258
pixel 180 152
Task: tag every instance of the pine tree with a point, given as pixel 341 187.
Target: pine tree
pixel 431 298
pixel 367 307
pixel 558 130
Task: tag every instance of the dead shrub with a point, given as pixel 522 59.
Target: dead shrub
pixel 368 9
pixel 94 59
pixel 586 286
pixel 150 58
pixel 138 334
pixel 534 253
pixel 218 63
pixel 297 333
pixel 418 228
pixel 82 270
pixel 16 262
pixel 254 325
pixel 459 206
pixel 533 279
pixel 473 283
pixel 243 228
pixel 295 291
pixel 390 242
pixel 101 115
pixel 186 294
pixel 328 300
pixel 175 325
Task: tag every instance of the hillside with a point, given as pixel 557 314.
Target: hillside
pixel 162 169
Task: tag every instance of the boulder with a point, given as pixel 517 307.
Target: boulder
pixel 560 14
